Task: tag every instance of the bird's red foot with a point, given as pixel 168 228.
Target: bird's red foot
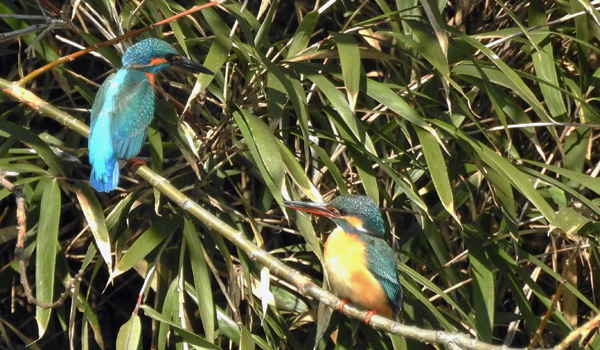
pixel 343 302
pixel 369 315
pixel 135 162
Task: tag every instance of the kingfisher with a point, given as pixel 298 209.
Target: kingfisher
pixel 362 267
pixel 124 107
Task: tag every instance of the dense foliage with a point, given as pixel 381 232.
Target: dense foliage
pixel 471 123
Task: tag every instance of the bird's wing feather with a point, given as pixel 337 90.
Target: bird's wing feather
pixel 99 101
pixel 382 263
pixel 132 112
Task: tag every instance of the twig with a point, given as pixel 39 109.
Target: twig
pixel 538 333
pixel 52 24
pixel 586 328
pixel 73 56
pixel 22 230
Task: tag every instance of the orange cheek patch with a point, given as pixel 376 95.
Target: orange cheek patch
pixel 157 61
pixel 354 221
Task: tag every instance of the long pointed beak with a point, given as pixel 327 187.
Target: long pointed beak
pixel 311 207
pixel 190 65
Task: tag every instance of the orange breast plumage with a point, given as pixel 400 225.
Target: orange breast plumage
pixel 346 264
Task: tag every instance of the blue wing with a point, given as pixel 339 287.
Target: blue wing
pixel 382 264
pixel 131 113
pixel 122 111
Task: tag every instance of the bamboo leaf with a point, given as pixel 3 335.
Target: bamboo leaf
pixel 351 66
pixel 146 243
pixel 484 290
pixel 510 173
pixel 156 148
pixel 33 141
pixel 130 335
pixel 47 247
pixel 216 57
pixel 95 219
pixel 543 61
pixel 186 335
pixel 200 271
pixel 265 151
pixel 303 34
pixel 437 170
pixel 335 97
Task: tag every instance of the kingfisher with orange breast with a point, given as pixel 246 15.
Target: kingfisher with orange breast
pixel 124 108
pixel 362 267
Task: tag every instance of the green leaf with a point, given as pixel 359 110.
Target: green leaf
pixel 217 55
pixel 130 335
pixel 384 95
pixel 167 10
pixel 366 173
pixel 201 275
pixel 32 140
pixel 517 178
pixel 46 249
pixel 24 168
pixel 303 34
pixel 276 97
pixel 484 288
pixel 544 60
pixel 95 219
pixel 588 181
pixel 331 168
pixel 437 169
pixel 264 149
pixel 297 174
pixel 569 221
pixel 412 289
pixel 340 105
pixel 517 84
pixel 186 335
pixel 170 309
pixel 156 149
pixel 246 341
pixel 351 65
pixel 146 243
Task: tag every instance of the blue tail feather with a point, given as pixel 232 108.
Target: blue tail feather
pixel 105 178
pixel 105 172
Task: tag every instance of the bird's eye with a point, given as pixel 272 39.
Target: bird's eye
pixel 342 212
pixel 170 57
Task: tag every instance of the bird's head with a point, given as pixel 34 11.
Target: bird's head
pixel 153 55
pixel 353 213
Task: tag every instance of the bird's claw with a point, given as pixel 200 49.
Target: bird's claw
pixel 343 302
pixel 135 162
pixel 369 315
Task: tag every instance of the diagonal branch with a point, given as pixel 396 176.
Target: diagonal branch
pixel 305 286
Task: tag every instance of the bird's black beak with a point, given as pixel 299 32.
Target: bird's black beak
pixel 189 65
pixel 314 208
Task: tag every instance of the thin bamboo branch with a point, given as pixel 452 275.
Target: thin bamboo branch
pixel 276 267
pixel 73 56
